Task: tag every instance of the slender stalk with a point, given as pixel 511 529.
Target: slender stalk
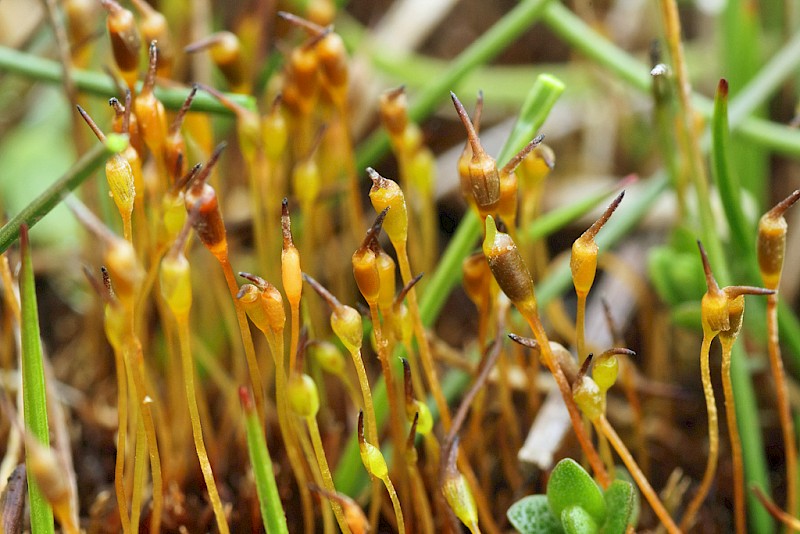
pixel 644 485
pixel 528 311
pixel 122 436
pixel 139 473
pixel 319 451
pixel 184 336
pixel 740 520
pixel 247 339
pixel 713 436
pixel 783 405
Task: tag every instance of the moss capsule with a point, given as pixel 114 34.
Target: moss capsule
pixel 771 244
pixel 301 391
pixel 507 265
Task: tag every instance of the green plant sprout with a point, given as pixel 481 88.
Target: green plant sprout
pixel 574 503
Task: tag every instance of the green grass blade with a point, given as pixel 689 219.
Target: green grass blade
pixel 34 395
pixel 41 205
pixel 727 181
pixel 486 47
pixel 269 500
pixel 100 84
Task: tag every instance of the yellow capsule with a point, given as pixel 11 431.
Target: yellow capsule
pixel 771 244
pixel 121 183
pixel 226 53
pixel 250 298
pixel 274 132
pixel 588 397
pixel 387 273
pixel 365 271
pixel 124 268
pixel 291 273
pixel 459 497
pixel 173 215
pixel 606 368
pixel 301 392
pixel 150 113
pixel 536 165
pixel 176 284
pixel 306 181
pixel 329 357
pixel 583 261
pixel 385 193
pixel 371 456
pixel 424 418
pixel 347 325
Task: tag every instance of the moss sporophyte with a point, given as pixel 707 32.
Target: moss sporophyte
pixel 383 400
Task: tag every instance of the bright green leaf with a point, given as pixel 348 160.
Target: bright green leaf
pixel 620 497
pixel 570 485
pixel 576 520
pixel 532 515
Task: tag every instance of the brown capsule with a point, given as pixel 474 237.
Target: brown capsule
pixel 332 56
pixel 174 146
pixel 80 18
pixel 154 27
pixel 125 40
pixel 209 225
pixel 394 110
pixel 482 173
pixel 771 244
pixel 507 265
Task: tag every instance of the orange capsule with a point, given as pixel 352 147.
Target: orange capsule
pixel 154 27
pixel 771 244
pixel 209 225
pixel 226 53
pixel 125 40
pixel 150 113
pixel 583 261
pixel 394 111
pixel 174 145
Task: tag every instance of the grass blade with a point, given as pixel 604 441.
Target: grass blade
pixel 34 397
pixel 269 500
pixel 41 205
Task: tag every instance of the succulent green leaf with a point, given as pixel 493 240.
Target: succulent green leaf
pixel 576 520
pixel 620 502
pixel 571 486
pixel 532 515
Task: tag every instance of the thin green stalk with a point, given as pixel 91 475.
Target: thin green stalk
pixel 269 499
pixel 99 84
pixel 34 394
pixel 76 175
pixel 741 55
pixel 726 180
pixel 481 51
